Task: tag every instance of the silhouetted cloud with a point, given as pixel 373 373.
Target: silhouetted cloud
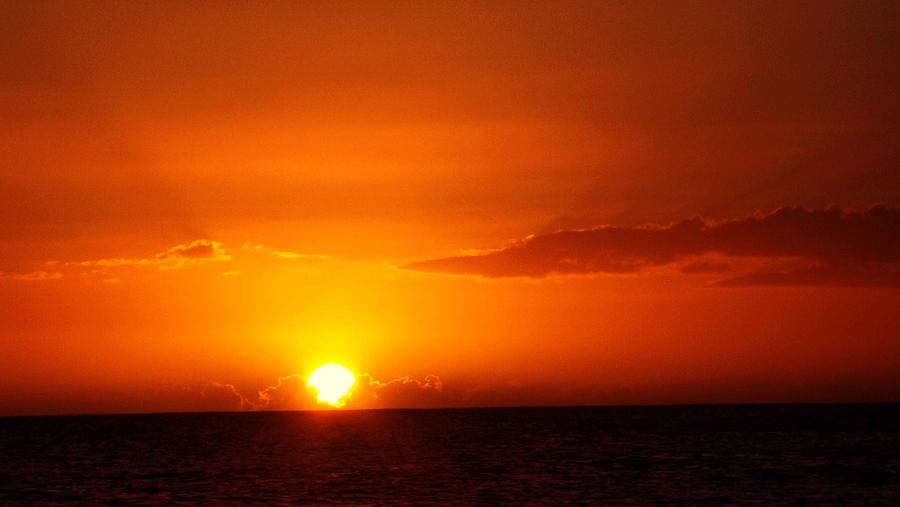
pixel 403 392
pixel 288 393
pixel 223 397
pixel 840 247
pixel 209 397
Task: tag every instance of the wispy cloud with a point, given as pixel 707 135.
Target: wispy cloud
pixel 196 252
pixel 282 254
pixel 33 276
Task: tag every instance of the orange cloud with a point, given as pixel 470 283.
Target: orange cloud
pixel 282 254
pixel 197 251
pixel 837 247
pixel 33 276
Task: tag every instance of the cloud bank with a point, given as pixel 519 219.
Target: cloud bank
pixel 830 246
pixel 288 393
pixel 291 393
pixel 217 397
pixel 404 392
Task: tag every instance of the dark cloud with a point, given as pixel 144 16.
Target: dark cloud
pixel 218 397
pixel 211 397
pixel 699 266
pixel 840 247
pixel 404 392
pixel 288 393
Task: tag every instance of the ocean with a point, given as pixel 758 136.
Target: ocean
pixel 755 454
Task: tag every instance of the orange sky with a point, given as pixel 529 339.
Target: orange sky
pixel 471 203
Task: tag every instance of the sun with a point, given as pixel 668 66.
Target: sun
pixel 332 382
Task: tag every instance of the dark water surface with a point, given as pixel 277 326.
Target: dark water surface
pixel 846 454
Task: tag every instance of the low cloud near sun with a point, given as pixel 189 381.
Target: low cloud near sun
pixel 292 393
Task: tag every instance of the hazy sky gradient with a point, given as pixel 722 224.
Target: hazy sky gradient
pixel 198 198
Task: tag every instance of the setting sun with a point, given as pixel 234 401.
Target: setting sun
pixel 332 382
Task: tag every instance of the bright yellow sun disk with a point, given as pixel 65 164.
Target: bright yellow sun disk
pixel 332 382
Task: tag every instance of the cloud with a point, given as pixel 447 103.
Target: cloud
pixel 198 249
pixel 835 276
pixel 288 393
pixel 217 397
pixel 195 252
pixel 282 254
pixel 33 276
pixel 836 246
pixel 403 392
pixel 704 265
pixel 291 393
pixel 211 397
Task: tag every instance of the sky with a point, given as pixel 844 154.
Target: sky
pixel 466 203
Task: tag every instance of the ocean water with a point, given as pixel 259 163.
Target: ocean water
pixel 794 454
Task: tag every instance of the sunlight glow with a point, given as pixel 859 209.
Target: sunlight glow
pixel 332 383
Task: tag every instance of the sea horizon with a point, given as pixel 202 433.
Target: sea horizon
pixel 463 408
